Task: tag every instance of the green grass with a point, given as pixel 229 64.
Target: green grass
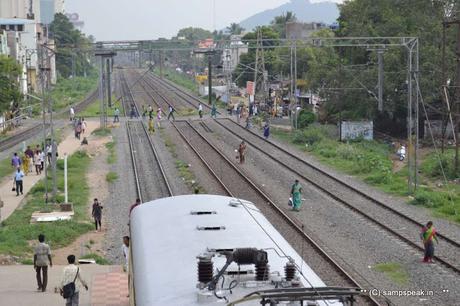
pixel 370 161
pixel 111 177
pixel 99 259
pixel 101 132
pixel 179 78
pixel 5 168
pixel 188 176
pixel 17 231
pixel 170 145
pixel 112 157
pixel 94 109
pixel 393 271
pixel 71 91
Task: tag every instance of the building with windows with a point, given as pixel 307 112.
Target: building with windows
pixel 24 9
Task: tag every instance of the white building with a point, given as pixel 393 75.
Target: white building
pixel 22 35
pixel 4 50
pixel 20 9
pixel 232 53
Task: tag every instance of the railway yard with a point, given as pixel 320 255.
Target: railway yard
pixel 344 227
pixel 342 231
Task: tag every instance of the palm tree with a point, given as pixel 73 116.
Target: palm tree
pixel 235 29
pixel 279 22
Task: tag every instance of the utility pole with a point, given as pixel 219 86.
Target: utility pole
pixel 161 64
pixel 210 78
pixel 41 55
pixel 105 58
pixel 295 74
pixel 109 88
pixel 259 69
pixel 380 62
pixel 457 100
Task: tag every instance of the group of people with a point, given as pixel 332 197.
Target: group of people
pixel 30 159
pixel 79 126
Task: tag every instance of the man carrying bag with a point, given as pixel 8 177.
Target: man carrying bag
pixel 69 287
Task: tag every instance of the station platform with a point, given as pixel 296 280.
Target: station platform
pixel 108 286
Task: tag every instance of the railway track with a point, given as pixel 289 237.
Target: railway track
pixel 150 178
pixel 30 132
pixel 389 219
pixel 237 184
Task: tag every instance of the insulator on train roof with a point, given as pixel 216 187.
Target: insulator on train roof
pixel 205 270
pixel 289 271
pixel 262 271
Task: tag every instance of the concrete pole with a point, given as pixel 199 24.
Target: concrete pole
pixel 41 52
pixel 457 102
pixel 66 196
pixel 101 93
pixel 210 79
pixel 380 62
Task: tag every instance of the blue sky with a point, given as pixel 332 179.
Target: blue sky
pixel 150 19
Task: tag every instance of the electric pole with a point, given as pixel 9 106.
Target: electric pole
pixel 457 98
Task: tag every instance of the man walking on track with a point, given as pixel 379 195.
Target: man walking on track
pixel 97 214
pixel 213 111
pixel 200 110
pixel 296 193
pixel 116 114
pixel 171 112
pixel 427 235
pixel 42 258
pixel 242 152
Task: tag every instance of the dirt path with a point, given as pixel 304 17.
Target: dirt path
pixel 92 242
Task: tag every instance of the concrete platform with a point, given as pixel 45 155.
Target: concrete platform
pixel 108 285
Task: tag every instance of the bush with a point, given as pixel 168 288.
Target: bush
pixel 308 136
pixel 305 118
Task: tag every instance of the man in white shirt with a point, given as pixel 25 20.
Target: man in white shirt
pixel 72 273
pixel 125 250
pixel 72 113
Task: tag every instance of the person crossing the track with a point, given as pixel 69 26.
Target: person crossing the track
pixel 266 130
pixel 213 111
pixel 151 126
pixel 159 111
pixel 116 117
pixel 427 235
pixel 171 112
pixel 242 152
pixel 200 110
pixel 296 194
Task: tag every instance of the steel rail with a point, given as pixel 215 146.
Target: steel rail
pixel 339 199
pixel 179 92
pixel 15 139
pixel 151 145
pixel 290 221
pixel 134 163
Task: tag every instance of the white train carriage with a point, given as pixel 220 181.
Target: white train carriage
pixel 215 250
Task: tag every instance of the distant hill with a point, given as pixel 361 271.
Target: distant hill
pixel 304 10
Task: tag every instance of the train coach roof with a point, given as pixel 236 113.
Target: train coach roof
pixel 167 238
